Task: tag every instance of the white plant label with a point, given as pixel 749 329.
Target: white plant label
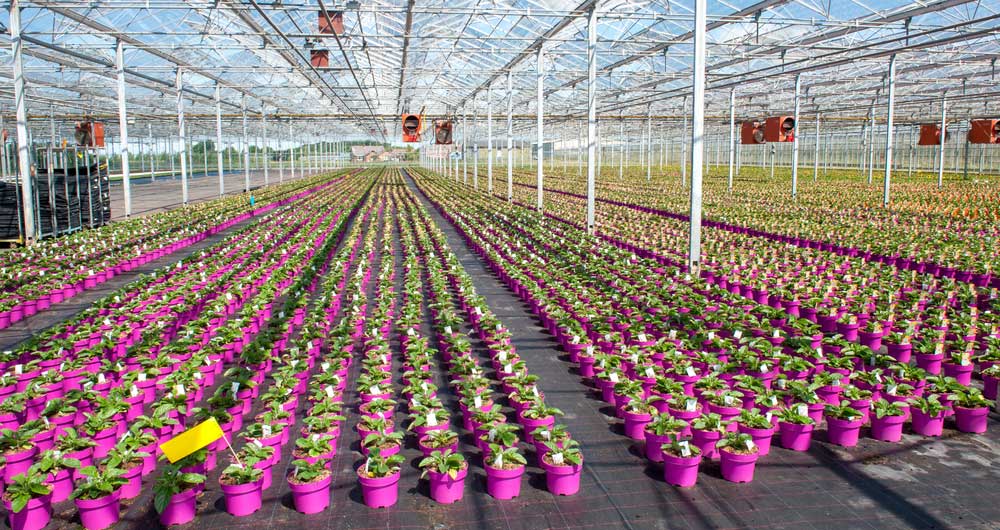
pixel 477 402
pixel 737 334
pixel 235 387
pixel 728 400
pixel 179 390
pixel 141 377
pixel 642 337
pixel 691 405
pixel 769 416
pixel 711 335
pixel 803 410
pixel 547 434
pixel 498 461
pixel 101 379
pixel 685 448
pixel 134 391
pixel 557 459
pixel 502 356
pixel 329 391
pixel 763 368
pixel 750 445
pixel 508 368
pixel 447 330
pixel 590 351
pixel 375 389
pixel 672 334
pixel 410 332
pixel 776 334
pixel 690 371
pixel 650 372
pixel 613 377
pixel 432 420
pixel 18 369
pixel 265 430
pixel 325 366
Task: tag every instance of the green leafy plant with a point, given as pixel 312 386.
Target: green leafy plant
pixel 171 482
pixel 791 415
pixel 24 487
pixel 930 405
pixel 842 412
pixel 738 443
pixel 378 466
pixel 678 448
pixel 444 462
pixel 440 438
pixel 98 483
pixel 237 474
pixel 709 422
pixel 569 453
pixel 882 408
pixel 52 461
pixel 970 398
pixel 304 472
pixel 753 419
pixel 504 457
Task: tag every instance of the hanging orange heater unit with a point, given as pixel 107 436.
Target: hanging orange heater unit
pixel 412 124
pixel 984 132
pixel 779 129
pixel 335 24
pixel 89 133
pixel 930 134
pixel 752 132
pixel 443 132
pixel 319 58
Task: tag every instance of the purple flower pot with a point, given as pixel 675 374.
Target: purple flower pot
pixel 887 428
pixel 843 432
pixel 133 487
pixel 242 499
pixel 900 352
pixel 736 467
pixel 706 440
pixel 794 436
pixel 761 438
pixel 930 362
pixel 444 488
pixel 635 425
pixel 962 374
pixel 181 509
pixel 654 443
pixel 680 471
pixel 313 497
pixel 35 516
pixel 98 514
pixel 379 492
pixel 62 485
pixel 926 425
pixel 971 420
pixel 503 483
pixel 18 463
pixel 562 480
pixel 990 386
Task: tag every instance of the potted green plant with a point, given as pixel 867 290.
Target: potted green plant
pixel 97 495
pixel 241 487
pixel 563 465
pixel 738 456
pixel 927 415
pixel 504 469
pixel 446 471
pixel 310 485
pixel 680 463
pixel 175 495
pixel 28 501
pixel 843 424
pixel 971 410
pixel 379 478
pixel 795 427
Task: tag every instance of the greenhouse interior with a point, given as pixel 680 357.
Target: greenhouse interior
pixel 506 264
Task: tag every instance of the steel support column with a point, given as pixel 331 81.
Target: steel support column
pixel 123 126
pixel 697 132
pixel 591 115
pixel 889 130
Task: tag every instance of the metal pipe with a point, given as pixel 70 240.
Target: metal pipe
pixel 944 115
pixel 218 138
pixel 795 140
pixel 489 138
pixel 539 112
pixel 510 137
pixel 591 116
pixel 246 147
pixel 732 138
pixel 180 132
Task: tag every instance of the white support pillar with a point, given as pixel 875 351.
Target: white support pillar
pixel 218 139
pixel 465 147
pixel 944 124
pixel 591 115
pixel 183 136
pixel 246 147
pixel 510 136
pixel 889 130
pixel 291 151
pixel 816 151
pixel 263 134
pixel 475 142
pixel 795 138
pixel 732 138
pixel 123 126
pixel 21 111
pixel 539 121
pixel 489 139
pixel 697 133
pixel 684 151
pixel 649 142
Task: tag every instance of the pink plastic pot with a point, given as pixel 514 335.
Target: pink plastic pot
pixel 736 467
pixel 18 463
pixel 313 497
pixel 503 484
pixel 98 514
pixel 962 374
pixel 887 428
pixel 761 438
pixel 133 487
pixel 562 480
pixel 35 516
pixel 635 424
pixel 181 509
pixel 680 471
pixel 62 484
pixel 243 499
pixel 379 492
pixel 706 440
pixel 926 425
pixel 930 362
pixel 654 444
pixel 444 488
pixel 971 420
pixel 843 432
pixel 794 436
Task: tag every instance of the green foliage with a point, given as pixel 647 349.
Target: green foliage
pixel 171 482
pixel 447 461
